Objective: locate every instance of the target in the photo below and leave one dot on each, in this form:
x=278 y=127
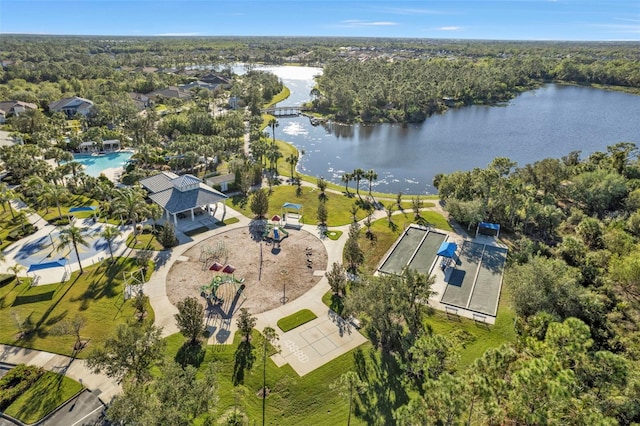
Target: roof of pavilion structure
x=180 y=193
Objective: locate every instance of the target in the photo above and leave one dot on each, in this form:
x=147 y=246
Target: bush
x=20 y=232
x=16 y=382
x=61 y=220
x=147 y=229
x=167 y=236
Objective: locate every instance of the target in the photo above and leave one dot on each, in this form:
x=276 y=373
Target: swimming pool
x=96 y=164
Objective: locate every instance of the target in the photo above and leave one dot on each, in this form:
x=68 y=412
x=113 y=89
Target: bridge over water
x=285 y=111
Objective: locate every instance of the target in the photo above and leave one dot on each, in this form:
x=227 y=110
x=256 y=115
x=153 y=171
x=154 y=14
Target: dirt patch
x=264 y=267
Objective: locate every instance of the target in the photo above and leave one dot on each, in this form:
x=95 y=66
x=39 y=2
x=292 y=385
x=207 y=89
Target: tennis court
x=475 y=282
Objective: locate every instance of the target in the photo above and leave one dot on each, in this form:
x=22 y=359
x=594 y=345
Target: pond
x=547 y=122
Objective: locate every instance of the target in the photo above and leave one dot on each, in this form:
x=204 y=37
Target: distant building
x=170 y=92
x=142 y=101
x=14 y=108
x=72 y=106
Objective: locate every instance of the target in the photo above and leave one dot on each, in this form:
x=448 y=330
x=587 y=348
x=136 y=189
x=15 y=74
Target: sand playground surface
x=265 y=268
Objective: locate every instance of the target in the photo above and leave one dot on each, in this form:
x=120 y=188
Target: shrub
x=16 y=382
x=167 y=236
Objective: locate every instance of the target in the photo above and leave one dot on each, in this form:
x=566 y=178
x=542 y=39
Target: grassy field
x=7 y=224
x=97 y=295
x=480 y=337
x=307 y=400
x=145 y=242
x=46 y=394
x=50 y=212
x=296 y=320
x=338 y=205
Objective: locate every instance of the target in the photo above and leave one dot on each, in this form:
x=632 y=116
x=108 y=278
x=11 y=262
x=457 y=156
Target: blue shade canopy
x=82 y=209
x=292 y=206
x=447 y=249
x=39 y=266
x=487 y=225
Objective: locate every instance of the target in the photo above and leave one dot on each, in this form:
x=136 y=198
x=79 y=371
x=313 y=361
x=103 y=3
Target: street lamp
x=284 y=298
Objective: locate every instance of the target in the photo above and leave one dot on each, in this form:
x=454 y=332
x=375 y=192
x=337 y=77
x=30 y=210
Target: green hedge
x=16 y=382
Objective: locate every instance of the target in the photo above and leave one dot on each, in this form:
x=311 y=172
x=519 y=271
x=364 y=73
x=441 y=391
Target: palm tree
x=346 y=178
x=16 y=269
x=32 y=188
x=110 y=233
x=6 y=195
x=273 y=123
x=292 y=160
x=72 y=236
x=54 y=193
x=370 y=175
x=129 y=203
x=358 y=174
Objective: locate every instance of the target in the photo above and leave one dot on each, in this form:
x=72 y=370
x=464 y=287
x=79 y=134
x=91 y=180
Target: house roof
x=216 y=180
x=165 y=190
x=9 y=106
x=159 y=182
x=171 y=92
x=214 y=79
x=175 y=201
x=72 y=102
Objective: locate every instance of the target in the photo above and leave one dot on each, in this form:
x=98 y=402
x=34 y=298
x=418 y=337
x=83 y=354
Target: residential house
x=72 y=106
x=216 y=81
x=170 y=92
x=142 y=101
x=14 y=108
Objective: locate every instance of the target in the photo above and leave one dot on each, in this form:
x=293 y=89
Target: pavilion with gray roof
x=180 y=194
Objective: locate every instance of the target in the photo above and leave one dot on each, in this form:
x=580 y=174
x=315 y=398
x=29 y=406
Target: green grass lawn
x=296 y=320
x=333 y=235
x=307 y=400
x=46 y=394
x=482 y=337
x=145 y=242
x=51 y=212
x=338 y=205
x=97 y=295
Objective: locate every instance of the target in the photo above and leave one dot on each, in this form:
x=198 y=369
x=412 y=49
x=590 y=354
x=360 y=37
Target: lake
x=551 y=121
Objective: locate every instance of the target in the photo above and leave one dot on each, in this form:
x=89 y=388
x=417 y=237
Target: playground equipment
x=210 y=290
x=217 y=254
x=274 y=233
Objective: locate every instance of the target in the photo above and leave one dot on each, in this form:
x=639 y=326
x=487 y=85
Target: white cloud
x=449 y=28
x=354 y=23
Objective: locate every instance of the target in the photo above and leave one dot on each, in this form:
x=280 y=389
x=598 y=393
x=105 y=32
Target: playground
x=241 y=269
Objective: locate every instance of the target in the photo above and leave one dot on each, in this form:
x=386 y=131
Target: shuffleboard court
x=461 y=280
x=403 y=251
x=486 y=292
x=426 y=254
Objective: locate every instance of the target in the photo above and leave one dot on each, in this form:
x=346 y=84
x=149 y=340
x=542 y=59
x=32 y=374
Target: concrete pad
x=324 y=346
x=312 y=335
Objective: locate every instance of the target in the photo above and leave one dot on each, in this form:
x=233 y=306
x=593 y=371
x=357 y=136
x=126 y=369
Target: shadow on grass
x=244 y=358
x=33 y=298
x=190 y=354
x=386 y=391
x=45 y=396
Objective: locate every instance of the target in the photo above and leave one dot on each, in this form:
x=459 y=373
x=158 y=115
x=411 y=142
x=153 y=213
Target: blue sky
x=456 y=19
